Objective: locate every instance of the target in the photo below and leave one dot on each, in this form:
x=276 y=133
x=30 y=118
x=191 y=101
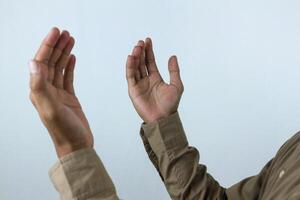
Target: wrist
x=63 y=150
x=157 y=118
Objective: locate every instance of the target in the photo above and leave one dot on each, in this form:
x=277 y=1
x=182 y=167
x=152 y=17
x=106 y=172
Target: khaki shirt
x=81 y=175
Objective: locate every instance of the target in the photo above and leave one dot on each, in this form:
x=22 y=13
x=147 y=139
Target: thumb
x=174 y=72
x=39 y=94
x=38 y=76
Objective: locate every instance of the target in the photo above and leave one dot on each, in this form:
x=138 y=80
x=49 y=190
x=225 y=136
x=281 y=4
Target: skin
x=52 y=93
x=152 y=97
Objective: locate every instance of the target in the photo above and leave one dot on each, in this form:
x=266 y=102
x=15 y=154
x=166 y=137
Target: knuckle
x=34 y=88
x=32 y=97
x=51 y=63
x=37 y=86
x=150 y=60
x=50 y=114
x=44 y=61
x=180 y=88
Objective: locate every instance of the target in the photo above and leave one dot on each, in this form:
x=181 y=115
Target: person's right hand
x=152 y=98
x=52 y=93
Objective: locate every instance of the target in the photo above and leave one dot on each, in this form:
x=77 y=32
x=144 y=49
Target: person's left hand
x=152 y=97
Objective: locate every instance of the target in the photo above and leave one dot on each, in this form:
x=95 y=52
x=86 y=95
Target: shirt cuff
x=82 y=175
x=165 y=135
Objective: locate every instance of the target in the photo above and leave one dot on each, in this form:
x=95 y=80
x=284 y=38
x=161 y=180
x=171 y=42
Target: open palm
x=52 y=93
x=151 y=96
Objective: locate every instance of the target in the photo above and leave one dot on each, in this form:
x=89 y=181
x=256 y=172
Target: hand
x=52 y=93
x=152 y=98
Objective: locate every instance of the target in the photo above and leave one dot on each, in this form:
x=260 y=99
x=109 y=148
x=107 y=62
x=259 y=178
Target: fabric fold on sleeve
x=81 y=175
x=177 y=162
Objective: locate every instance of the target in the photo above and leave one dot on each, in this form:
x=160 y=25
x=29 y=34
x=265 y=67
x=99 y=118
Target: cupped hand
x=151 y=96
x=52 y=93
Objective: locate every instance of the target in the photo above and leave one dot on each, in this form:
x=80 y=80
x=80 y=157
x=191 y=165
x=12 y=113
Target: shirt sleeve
x=82 y=176
x=178 y=165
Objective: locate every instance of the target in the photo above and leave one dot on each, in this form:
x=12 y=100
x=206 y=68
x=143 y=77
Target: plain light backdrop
x=239 y=62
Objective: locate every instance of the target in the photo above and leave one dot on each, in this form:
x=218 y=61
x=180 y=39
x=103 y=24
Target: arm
x=178 y=165
x=177 y=162
x=79 y=172
x=163 y=135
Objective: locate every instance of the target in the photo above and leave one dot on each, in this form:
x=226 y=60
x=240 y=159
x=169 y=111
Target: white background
x=240 y=65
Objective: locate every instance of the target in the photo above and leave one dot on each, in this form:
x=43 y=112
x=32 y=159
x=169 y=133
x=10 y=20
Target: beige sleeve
x=82 y=176
x=179 y=168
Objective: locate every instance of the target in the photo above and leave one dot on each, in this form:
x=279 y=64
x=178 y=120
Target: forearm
x=177 y=163
x=82 y=175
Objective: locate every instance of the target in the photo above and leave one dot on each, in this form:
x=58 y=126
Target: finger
x=136 y=52
x=46 y=48
x=62 y=64
x=63 y=41
x=38 y=76
x=174 y=73
x=142 y=66
x=39 y=93
x=150 y=59
x=69 y=75
x=130 y=71
x=141 y=43
x=138 y=75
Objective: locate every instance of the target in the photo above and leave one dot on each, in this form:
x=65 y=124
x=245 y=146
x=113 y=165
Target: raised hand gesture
x=52 y=93
x=151 y=96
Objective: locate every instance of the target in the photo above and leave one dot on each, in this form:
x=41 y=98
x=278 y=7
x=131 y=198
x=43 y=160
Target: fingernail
x=33 y=67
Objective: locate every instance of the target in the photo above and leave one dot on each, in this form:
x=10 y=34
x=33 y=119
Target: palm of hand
x=151 y=96
x=155 y=99
x=53 y=94
x=69 y=105
x=73 y=121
